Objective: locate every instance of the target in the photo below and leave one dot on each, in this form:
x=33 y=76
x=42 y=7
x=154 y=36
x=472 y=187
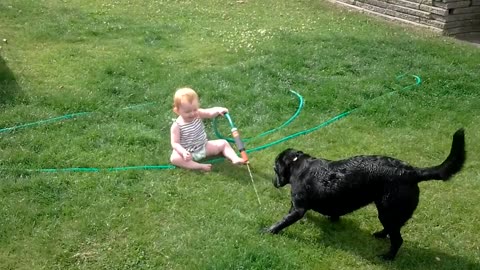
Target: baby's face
x=188 y=110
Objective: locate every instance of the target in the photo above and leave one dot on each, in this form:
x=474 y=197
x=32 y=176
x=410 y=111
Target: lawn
x=86 y=93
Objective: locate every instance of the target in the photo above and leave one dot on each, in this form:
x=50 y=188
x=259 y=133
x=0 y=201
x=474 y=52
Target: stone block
x=467 y=10
x=448 y=16
x=433 y=23
x=462 y=30
x=425 y=6
x=420 y=1
x=351 y=2
x=462 y=23
x=399 y=8
x=451 y=5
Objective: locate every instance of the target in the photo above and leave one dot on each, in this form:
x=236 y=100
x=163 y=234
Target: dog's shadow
x=9 y=89
x=346 y=235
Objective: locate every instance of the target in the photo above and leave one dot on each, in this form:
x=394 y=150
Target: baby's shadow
x=345 y=234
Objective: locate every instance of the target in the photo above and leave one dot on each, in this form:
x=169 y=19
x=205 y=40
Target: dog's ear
x=293 y=155
x=297 y=154
x=289 y=156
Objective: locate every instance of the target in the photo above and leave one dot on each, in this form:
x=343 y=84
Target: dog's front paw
x=380 y=234
x=264 y=230
x=387 y=257
x=334 y=218
x=268 y=230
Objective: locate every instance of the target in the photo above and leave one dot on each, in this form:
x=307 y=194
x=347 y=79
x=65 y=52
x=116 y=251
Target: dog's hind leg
x=394 y=210
x=293 y=216
x=384 y=219
x=391 y=229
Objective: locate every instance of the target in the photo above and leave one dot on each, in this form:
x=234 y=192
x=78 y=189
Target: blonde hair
x=182 y=95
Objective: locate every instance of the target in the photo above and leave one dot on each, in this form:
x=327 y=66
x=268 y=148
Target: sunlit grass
x=103 y=56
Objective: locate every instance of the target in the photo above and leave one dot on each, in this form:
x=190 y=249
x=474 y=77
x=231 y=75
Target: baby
x=188 y=138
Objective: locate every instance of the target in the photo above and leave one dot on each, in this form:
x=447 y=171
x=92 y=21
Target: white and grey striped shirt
x=192 y=135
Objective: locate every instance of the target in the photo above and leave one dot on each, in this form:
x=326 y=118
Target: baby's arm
x=175 y=141
x=211 y=112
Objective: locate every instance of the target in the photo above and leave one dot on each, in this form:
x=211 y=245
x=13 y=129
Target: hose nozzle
x=240 y=145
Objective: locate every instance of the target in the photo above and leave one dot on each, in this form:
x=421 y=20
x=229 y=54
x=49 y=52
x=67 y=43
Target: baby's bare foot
x=206 y=167
x=238 y=161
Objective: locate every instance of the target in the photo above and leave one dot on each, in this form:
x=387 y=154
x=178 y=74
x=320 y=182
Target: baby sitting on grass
x=188 y=137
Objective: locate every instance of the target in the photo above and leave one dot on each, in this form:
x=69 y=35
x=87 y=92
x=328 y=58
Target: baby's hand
x=187 y=156
x=222 y=110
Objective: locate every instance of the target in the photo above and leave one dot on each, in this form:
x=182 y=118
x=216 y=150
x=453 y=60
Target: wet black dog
x=336 y=188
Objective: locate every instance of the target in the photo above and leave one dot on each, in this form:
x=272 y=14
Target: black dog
x=336 y=188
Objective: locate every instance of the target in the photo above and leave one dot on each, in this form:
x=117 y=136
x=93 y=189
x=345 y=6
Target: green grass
x=101 y=56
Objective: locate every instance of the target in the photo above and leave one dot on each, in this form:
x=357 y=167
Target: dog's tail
x=451 y=165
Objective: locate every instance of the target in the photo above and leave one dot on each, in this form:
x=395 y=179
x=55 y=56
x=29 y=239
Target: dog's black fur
x=336 y=188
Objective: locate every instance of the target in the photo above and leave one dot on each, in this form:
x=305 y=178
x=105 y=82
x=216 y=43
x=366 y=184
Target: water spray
x=241 y=148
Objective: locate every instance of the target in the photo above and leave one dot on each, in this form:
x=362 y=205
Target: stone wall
x=451 y=17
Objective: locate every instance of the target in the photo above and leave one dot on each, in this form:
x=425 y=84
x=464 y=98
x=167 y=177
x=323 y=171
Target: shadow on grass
x=346 y=235
x=252 y=258
x=9 y=88
x=240 y=172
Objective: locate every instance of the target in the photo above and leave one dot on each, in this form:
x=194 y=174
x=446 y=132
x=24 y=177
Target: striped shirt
x=192 y=135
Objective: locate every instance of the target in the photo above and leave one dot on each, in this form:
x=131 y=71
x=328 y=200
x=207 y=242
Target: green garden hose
x=217 y=133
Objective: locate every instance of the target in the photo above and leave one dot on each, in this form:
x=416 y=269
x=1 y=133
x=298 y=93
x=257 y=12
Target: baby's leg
x=178 y=161
x=216 y=147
